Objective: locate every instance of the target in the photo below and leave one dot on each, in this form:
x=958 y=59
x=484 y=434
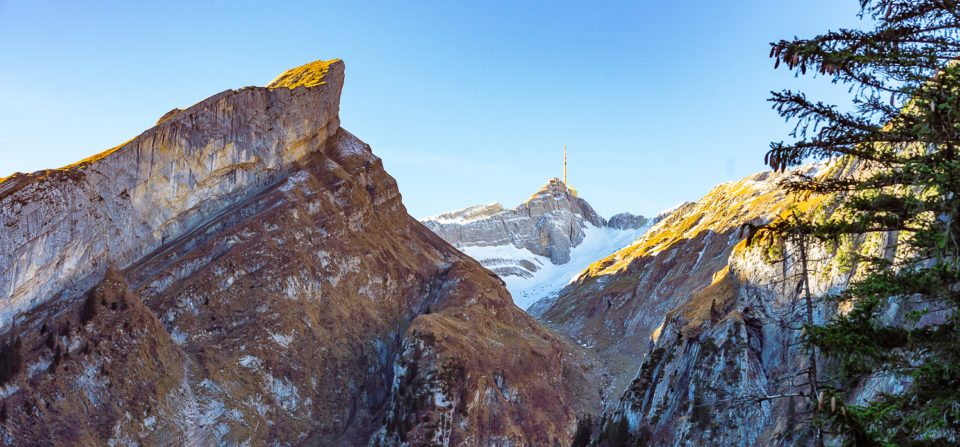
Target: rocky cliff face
x=699 y=332
x=541 y=244
x=616 y=305
x=548 y=224
x=245 y=273
x=63 y=228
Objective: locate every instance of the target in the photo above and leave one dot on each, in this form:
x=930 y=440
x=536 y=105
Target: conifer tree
x=902 y=137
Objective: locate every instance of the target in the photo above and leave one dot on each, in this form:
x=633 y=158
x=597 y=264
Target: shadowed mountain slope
x=245 y=273
x=699 y=333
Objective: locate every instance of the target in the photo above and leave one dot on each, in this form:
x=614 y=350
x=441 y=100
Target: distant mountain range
x=543 y=243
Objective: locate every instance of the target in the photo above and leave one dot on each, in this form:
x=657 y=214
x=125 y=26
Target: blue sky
x=466 y=103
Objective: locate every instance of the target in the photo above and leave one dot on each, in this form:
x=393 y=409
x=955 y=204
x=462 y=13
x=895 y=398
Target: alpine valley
x=245 y=273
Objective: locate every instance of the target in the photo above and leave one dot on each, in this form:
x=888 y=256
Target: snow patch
x=178 y=337
x=597 y=244
x=8 y=390
x=469 y=214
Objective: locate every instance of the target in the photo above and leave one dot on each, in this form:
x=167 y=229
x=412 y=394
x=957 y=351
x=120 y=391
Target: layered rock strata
x=257 y=281
x=701 y=333
x=540 y=245
x=548 y=224
x=63 y=228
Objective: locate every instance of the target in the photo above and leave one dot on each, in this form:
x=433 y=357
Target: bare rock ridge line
x=697 y=331
x=616 y=305
x=255 y=279
x=63 y=228
x=541 y=244
x=548 y=224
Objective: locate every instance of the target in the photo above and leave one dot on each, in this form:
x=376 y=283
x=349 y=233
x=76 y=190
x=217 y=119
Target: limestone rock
x=169 y=115
x=537 y=247
x=616 y=305
x=697 y=329
x=626 y=221
x=62 y=228
x=548 y=224
x=255 y=279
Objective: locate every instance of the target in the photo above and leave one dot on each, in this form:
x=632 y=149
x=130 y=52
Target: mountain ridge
x=539 y=245
x=127 y=201
x=278 y=293
x=700 y=333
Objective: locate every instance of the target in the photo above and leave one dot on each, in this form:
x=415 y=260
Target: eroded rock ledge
x=61 y=229
x=270 y=288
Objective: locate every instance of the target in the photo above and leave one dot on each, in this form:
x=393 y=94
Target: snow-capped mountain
x=539 y=246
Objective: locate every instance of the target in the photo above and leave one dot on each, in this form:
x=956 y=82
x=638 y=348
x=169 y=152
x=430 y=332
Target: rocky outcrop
x=548 y=224
x=481 y=372
x=627 y=221
x=699 y=332
x=281 y=295
x=537 y=247
x=63 y=228
x=616 y=305
x=467 y=215
x=729 y=358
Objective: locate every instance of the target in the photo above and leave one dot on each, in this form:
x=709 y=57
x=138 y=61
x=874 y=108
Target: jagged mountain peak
x=555 y=196
x=245 y=273
x=541 y=244
x=64 y=227
x=554 y=188
x=308 y=75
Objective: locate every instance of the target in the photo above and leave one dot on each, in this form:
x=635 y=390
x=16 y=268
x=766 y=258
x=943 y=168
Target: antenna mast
x=564 y=166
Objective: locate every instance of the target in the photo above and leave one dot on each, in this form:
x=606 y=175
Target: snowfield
x=549 y=278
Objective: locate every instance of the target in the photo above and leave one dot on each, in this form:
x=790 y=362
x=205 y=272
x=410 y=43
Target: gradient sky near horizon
x=466 y=103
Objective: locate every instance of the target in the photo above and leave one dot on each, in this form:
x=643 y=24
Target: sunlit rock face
x=540 y=245
x=699 y=331
x=255 y=280
x=63 y=228
x=548 y=224
x=615 y=305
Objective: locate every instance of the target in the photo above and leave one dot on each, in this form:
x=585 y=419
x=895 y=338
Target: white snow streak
x=597 y=244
